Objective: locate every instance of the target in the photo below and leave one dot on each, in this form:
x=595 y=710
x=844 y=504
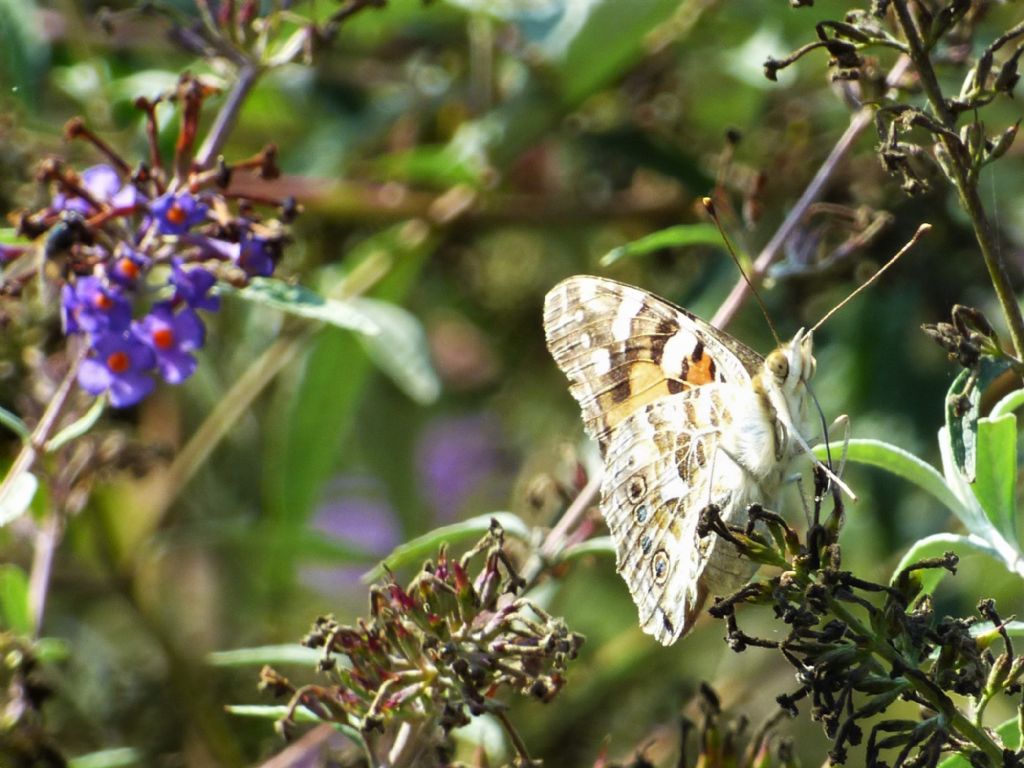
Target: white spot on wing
x=579 y=316
x=622 y=325
x=675 y=351
x=585 y=340
x=602 y=361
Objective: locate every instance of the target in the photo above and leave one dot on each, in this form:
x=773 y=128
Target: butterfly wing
x=660 y=474
x=652 y=381
x=623 y=348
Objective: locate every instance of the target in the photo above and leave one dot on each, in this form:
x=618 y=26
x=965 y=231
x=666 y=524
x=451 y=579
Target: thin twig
x=860 y=120
x=44 y=547
x=225 y=121
x=26 y=458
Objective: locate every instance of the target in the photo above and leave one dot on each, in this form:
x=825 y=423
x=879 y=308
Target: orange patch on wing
x=646 y=384
x=700 y=371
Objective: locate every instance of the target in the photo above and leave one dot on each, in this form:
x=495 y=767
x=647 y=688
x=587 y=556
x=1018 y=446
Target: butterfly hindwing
x=658 y=478
x=623 y=348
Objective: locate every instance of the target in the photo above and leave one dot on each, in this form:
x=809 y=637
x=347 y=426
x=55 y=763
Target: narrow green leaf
x=877 y=453
x=14 y=610
x=599 y=545
x=962 y=414
x=1009 y=734
x=300 y=715
x=107 y=758
x=78 y=428
x=14 y=423
x=936 y=546
x=291 y=653
x=986 y=633
x=18 y=496
x=995 y=476
x=400 y=349
x=301 y=301
x=271 y=712
x=672 y=237
x=425 y=546
x=1008 y=404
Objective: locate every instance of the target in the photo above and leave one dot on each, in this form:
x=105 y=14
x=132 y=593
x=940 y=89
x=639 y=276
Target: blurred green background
x=567 y=128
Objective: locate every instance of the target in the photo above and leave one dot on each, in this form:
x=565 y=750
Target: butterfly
x=685 y=416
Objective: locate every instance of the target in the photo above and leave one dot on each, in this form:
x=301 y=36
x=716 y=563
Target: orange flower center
x=103 y=302
x=128 y=268
x=163 y=338
x=118 y=362
x=176 y=214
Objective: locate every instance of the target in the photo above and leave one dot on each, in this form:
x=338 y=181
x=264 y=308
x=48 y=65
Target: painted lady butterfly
x=685 y=416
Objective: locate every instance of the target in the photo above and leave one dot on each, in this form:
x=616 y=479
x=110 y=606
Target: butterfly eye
x=778 y=364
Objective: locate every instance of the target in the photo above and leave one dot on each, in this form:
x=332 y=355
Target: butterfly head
x=792 y=364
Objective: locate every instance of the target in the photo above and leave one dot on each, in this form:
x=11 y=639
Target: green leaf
x=995 y=477
x=400 y=349
x=962 y=427
x=14 y=423
x=18 y=496
x=300 y=715
x=599 y=545
x=673 y=237
x=271 y=712
x=107 y=758
x=315 y=414
x=14 y=609
x=301 y=301
x=77 y=428
x=291 y=653
x=419 y=549
x=1008 y=404
x=877 y=453
x=1008 y=732
x=937 y=545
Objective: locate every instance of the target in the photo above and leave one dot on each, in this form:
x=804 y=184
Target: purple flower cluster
x=141 y=249
x=124 y=351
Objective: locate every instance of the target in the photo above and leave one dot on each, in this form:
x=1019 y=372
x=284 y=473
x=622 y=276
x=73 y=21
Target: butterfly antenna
x=709 y=206
x=921 y=230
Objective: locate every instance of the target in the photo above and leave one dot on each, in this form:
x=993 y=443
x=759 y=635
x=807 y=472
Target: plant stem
x=942 y=703
x=225 y=121
x=35 y=442
x=514 y=737
x=860 y=120
x=44 y=547
x=966 y=186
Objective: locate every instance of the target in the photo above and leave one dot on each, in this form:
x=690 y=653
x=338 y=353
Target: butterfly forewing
x=623 y=348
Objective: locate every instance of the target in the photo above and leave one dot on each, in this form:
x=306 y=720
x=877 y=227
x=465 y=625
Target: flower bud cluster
x=440 y=651
x=859 y=647
x=137 y=249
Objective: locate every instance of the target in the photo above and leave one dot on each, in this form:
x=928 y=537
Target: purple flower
x=126 y=267
x=172 y=337
x=91 y=306
x=256 y=256
x=193 y=287
x=100 y=181
x=117 y=365
x=176 y=214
